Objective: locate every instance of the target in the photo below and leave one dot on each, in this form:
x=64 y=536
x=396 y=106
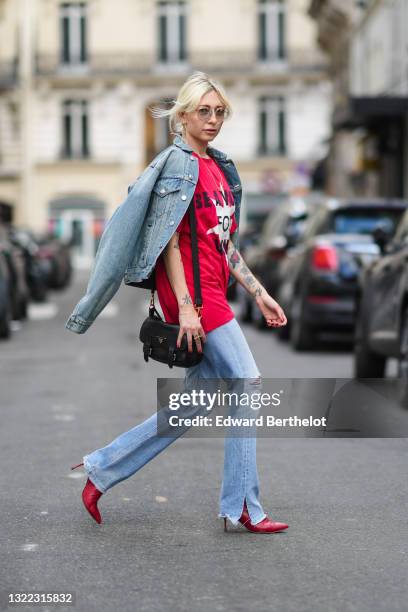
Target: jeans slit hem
x=94 y=478
x=234 y=521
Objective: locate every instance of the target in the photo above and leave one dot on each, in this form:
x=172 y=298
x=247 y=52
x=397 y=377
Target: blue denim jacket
x=143 y=224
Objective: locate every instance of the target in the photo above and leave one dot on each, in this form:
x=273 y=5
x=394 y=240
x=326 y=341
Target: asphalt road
x=161 y=546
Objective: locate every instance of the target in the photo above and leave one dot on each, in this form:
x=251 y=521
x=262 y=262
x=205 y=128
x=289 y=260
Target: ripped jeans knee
x=246 y=394
x=253 y=385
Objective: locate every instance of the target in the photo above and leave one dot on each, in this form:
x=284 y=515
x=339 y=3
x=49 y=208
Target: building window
x=271 y=35
x=171 y=32
x=272 y=124
x=73 y=33
x=75 y=129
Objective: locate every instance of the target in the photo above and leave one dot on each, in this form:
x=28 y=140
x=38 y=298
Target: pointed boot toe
x=90 y=496
x=267 y=525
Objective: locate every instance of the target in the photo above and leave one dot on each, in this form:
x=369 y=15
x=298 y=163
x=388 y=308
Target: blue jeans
x=227 y=356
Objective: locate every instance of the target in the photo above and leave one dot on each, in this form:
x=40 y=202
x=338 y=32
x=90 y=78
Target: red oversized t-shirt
x=214 y=208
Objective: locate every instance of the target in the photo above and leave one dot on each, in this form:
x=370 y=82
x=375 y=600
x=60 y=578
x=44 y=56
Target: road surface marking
x=160 y=499
x=64 y=417
x=28 y=547
x=76 y=475
x=38 y=312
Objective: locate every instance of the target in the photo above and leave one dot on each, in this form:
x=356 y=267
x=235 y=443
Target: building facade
x=77 y=80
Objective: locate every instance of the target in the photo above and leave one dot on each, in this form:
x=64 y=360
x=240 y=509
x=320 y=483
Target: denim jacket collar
x=212 y=152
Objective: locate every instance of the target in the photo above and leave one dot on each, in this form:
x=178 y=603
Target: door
x=77 y=229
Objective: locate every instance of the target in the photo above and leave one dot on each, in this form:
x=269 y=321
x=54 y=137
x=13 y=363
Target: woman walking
x=189 y=166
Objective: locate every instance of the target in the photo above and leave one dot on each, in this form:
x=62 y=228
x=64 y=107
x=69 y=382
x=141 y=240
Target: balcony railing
x=102 y=64
x=235 y=61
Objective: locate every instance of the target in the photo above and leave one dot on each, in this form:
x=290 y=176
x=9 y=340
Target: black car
x=5 y=301
x=382 y=309
x=16 y=273
x=280 y=232
x=321 y=274
x=36 y=268
x=56 y=255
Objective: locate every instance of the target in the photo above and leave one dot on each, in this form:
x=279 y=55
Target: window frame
x=272 y=19
x=73 y=20
x=265 y=114
x=75 y=129
x=171 y=32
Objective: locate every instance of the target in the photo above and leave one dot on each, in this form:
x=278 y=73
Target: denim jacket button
x=184 y=197
x=192 y=157
x=162 y=190
x=190 y=176
x=171 y=223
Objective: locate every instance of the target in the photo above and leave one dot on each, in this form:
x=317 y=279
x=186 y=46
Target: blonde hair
x=188 y=98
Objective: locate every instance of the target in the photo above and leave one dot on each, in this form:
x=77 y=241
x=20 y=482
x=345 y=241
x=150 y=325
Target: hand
x=273 y=313
x=191 y=326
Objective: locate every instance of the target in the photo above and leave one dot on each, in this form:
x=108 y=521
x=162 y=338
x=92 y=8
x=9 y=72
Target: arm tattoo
x=176 y=242
x=244 y=274
x=186 y=299
x=234 y=258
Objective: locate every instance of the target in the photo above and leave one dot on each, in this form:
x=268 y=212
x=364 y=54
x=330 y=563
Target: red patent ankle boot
x=265 y=526
x=90 y=496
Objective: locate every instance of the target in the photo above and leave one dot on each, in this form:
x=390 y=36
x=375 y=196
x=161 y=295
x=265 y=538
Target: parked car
x=13 y=257
x=280 y=232
x=37 y=268
x=5 y=302
x=56 y=255
x=381 y=328
x=320 y=275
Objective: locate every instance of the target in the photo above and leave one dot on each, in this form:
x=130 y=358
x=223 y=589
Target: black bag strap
x=198 y=300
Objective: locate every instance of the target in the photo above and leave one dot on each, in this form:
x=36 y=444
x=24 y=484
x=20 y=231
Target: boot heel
x=225 y=524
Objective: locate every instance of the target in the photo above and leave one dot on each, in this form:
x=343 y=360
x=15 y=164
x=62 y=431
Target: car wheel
x=23 y=309
x=38 y=290
x=367 y=364
x=301 y=334
x=5 y=322
x=403 y=363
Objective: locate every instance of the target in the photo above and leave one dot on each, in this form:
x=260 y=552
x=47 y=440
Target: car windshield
x=365 y=221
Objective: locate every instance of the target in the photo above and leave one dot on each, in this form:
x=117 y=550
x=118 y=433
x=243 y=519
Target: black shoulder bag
x=159 y=337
